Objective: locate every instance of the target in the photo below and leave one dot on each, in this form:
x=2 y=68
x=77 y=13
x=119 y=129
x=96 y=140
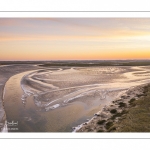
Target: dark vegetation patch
x=121 y=104
x=119 y=114
x=108 y=125
x=139 y=95
x=123 y=96
x=96 y=63
x=113 y=111
x=100 y=122
x=145 y=89
x=100 y=130
x=131 y=101
x=112 y=129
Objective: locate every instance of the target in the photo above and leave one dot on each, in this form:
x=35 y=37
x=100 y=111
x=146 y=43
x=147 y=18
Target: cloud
x=101 y=35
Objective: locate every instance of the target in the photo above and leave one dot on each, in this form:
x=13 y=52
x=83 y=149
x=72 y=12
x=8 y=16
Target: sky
x=24 y=39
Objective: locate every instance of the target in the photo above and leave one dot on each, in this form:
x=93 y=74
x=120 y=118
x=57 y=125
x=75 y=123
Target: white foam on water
x=52 y=107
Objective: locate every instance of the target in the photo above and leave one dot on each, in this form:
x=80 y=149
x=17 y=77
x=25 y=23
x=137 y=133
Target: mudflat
x=6 y=71
x=62 y=99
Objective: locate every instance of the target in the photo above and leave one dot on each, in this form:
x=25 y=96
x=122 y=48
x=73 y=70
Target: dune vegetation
x=136 y=118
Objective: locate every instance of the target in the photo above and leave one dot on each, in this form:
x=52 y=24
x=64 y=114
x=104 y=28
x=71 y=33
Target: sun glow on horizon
x=74 y=39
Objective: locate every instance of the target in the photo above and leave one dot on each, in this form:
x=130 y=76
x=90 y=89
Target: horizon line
x=77 y=60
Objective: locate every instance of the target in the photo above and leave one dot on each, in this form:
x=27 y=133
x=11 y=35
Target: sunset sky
x=74 y=38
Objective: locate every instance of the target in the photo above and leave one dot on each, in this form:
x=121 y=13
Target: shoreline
x=105 y=119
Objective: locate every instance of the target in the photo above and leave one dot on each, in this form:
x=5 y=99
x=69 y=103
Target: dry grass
x=137 y=119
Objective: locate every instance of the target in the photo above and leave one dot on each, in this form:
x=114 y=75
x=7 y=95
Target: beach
x=69 y=99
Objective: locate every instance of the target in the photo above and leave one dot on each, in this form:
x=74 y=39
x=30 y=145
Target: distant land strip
x=81 y=63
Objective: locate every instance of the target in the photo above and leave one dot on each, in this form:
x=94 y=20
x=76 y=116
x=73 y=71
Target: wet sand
x=33 y=118
x=57 y=99
x=6 y=71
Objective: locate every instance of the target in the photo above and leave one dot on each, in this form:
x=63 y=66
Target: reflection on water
x=56 y=100
x=31 y=118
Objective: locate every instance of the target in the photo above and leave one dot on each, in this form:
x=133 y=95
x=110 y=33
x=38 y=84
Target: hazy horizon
x=50 y=39
x=85 y=60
